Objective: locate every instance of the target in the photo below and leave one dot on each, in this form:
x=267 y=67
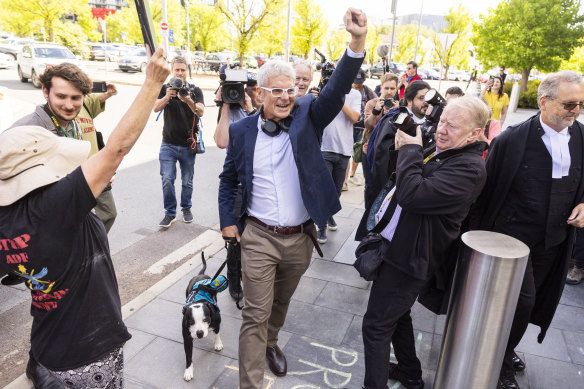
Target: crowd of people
x=288 y=152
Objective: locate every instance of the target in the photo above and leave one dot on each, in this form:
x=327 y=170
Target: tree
x=459 y=22
x=309 y=27
x=25 y=17
x=270 y=40
x=208 y=27
x=246 y=17
x=576 y=61
x=374 y=39
x=523 y=34
x=407 y=36
x=336 y=43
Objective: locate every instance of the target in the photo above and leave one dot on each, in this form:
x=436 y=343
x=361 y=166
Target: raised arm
x=100 y=168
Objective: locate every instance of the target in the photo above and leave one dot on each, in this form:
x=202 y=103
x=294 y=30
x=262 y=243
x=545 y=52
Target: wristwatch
x=253 y=112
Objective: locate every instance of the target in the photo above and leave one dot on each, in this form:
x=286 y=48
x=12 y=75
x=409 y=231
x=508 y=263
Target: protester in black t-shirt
x=51 y=239
x=181 y=113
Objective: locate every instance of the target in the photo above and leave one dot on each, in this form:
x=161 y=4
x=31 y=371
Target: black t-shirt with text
x=53 y=240
x=178 y=117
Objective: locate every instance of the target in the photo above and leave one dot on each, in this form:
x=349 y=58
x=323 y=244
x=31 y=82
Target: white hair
x=478 y=111
x=550 y=86
x=303 y=62
x=274 y=68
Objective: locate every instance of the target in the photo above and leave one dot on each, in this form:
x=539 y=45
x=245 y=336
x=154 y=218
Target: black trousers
x=539 y=265
x=388 y=321
x=337 y=166
x=578 y=252
x=234 y=252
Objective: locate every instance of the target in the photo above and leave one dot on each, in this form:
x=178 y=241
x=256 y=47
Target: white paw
x=218 y=346
x=189 y=373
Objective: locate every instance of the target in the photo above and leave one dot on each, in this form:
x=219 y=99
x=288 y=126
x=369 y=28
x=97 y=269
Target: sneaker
x=187 y=216
x=355 y=181
x=345 y=187
x=331 y=224
x=322 y=236
x=167 y=221
x=575 y=276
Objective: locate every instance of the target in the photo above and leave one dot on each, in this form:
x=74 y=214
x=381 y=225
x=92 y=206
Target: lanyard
x=76 y=133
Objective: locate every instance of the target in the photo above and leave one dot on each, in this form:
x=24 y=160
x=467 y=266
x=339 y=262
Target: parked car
x=376 y=70
x=432 y=74
x=457 y=75
x=215 y=61
x=366 y=67
x=6 y=61
x=250 y=62
x=423 y=73
x=35 y=57
x=135 y=60
x=513 y=77
x=14 y=46
x=98 y=52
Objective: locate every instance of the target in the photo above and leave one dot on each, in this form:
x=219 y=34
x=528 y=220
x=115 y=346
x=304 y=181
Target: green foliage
x=270 y=37
x=335 y=44
x=407 y=43
x=576 y=61
x=374 y=39
x=459 y=21
x=247 y=17
x=124 y=21
x=207 y=27
x=309 y=27
x=524 y=34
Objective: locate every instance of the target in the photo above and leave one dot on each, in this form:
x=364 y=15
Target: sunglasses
x=278 y=92
x=570 y=106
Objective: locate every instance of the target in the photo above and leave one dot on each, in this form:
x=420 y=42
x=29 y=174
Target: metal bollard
x=486 y=286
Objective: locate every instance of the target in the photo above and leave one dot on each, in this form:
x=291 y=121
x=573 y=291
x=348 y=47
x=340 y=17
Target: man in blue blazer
x=286 y=189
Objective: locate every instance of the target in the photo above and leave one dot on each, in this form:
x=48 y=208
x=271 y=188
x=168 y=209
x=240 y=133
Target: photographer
x=228 y=114
x=426 y=207
x=183 y=106
x=376 y=108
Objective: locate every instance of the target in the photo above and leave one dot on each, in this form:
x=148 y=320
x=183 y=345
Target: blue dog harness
x=206 y=290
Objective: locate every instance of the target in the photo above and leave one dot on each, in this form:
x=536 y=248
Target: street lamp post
x=418 y=35
x=288 y=33
x=393 y=10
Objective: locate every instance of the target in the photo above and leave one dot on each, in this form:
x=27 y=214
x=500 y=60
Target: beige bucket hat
x=32 y=157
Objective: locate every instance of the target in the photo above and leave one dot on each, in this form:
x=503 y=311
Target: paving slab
x=330 y=271
x=547 y=373
x=139 y=341
x=553 y=346
x=320 y=323
x=568 y=317
x=162 y=364
x=309 y=289
x=575 y=345
x=573 y=295
x=347 y=298
x=346 y=253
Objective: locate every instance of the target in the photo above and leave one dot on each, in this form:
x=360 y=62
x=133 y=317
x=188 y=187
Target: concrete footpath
x=322 y=335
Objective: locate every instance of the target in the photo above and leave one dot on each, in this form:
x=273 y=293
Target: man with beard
x=534 y=193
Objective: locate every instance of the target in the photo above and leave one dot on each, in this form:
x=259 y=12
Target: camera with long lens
x=388 y=103
x=404 y=122
x=233 y=85
x=326 y=69
x=177 y=84
x=434 y=99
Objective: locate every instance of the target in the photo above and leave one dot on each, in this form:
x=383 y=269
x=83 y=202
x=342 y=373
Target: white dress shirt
x=557 y=145
x=275 y=193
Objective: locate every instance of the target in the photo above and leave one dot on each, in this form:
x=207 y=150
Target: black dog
x=201 y=313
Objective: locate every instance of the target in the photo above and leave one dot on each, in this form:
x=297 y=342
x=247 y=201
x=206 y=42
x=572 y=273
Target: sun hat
x=32 y=157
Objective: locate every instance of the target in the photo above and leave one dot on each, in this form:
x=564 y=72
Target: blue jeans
x=169 y=155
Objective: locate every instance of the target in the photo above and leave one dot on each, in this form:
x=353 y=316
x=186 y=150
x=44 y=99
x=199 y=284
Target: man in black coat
x=534 y=193
x=432 y=197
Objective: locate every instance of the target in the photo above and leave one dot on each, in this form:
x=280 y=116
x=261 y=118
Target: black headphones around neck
x=272 y=128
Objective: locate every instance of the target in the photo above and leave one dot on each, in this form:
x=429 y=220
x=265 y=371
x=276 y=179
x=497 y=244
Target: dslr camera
x=233 y=85
x=177 y=84
x=326 y=69
x=388 y=103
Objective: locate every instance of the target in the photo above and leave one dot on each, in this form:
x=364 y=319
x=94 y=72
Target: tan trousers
x=272 y=266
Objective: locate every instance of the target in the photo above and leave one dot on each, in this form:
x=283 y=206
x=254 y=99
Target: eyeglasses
x=278 y=92
x=570 y=106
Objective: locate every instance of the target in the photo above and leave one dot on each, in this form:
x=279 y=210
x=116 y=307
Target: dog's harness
x=206 y=290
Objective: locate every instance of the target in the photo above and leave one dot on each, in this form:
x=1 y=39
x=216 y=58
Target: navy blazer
x=311 y=116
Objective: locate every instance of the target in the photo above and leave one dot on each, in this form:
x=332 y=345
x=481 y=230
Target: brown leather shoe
x=276 y=361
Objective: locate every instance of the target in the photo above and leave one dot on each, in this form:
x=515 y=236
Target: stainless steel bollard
x=484 y=295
